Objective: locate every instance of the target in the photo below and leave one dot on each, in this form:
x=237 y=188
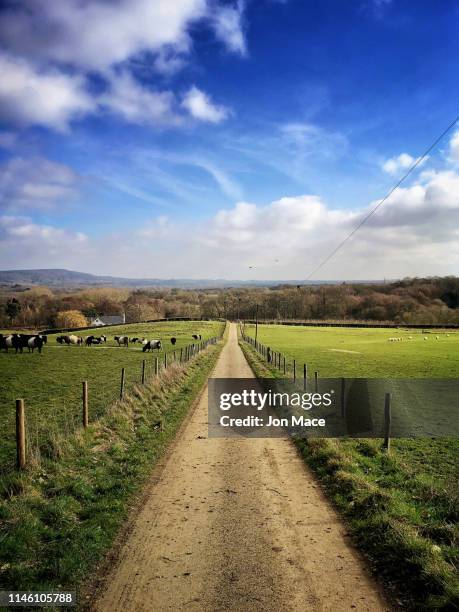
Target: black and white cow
x=90 y=340
x=21 y=341
x=9 y=341
x=71 y=339
x=173 y=341
x=36 y=342
x=152 y=345
x=122 y=340
x=196 y=336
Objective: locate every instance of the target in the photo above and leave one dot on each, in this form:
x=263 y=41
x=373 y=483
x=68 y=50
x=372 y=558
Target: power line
x=396 y=186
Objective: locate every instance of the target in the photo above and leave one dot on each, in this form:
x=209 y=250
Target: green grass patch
x=58 y=518
x=402 y=508
x=365 y=353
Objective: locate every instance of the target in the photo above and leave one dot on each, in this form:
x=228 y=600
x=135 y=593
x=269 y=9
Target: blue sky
x=212 y=138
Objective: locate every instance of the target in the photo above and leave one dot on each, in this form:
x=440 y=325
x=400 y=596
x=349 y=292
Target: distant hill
x=68 y=278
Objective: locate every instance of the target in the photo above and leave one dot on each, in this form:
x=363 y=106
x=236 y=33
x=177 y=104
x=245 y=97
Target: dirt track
x=236 y=524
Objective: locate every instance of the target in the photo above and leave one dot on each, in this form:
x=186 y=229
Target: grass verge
x=60 y=516
x=401 y=512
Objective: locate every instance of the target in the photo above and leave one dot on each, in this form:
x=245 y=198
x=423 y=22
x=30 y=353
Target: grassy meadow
x=403 y=507
x=365 y=353
x=51 y=382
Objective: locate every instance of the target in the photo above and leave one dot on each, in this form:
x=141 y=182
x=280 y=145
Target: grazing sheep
x=122 y=340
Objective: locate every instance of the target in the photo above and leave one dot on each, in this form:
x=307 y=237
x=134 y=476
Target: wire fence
x=38 y=427
x=300 y=375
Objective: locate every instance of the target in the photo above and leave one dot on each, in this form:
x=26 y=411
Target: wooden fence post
x=20 y=435
x=343 y=397
x=387 y=421
x=165 y=361
x=316 y=381
x=294 y=370
x=181 y=355
x=123 y=372
x=85 y=404
x=284 y=366
x=305 y=376
x=156 y=366
x=143 y=372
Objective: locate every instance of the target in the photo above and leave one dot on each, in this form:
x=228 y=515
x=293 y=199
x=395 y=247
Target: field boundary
x=61 y=330
x=363 y=325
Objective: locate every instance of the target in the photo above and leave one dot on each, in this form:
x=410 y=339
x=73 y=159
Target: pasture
x=51 y=382
x=365 y=353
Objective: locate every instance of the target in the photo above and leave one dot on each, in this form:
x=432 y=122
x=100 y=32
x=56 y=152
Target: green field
x=51 y=383
x=402 y=507
x=346 y=352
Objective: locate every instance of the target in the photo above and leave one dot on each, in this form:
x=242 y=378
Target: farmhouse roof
x=109 y=319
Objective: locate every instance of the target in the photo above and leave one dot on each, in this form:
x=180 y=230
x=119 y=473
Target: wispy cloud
x=227 y=21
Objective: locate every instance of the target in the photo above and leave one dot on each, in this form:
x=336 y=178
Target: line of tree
x=420 y=301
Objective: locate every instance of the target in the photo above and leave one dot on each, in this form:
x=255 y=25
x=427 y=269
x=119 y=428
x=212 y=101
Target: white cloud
x=36 y=183
x=454 y=147
x=200 y=106
x=98 y=34
x=396 y=164
x=227 y=22
x=49 y=98
x=51 y=47
x=409 y=235
x=137 y=104
x=23 y=243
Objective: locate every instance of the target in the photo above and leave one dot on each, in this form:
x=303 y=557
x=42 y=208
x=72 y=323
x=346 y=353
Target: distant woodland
x=415 y=300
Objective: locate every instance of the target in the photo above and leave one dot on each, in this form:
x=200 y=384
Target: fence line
x=189 y=353
x=274 y=358
x=353 y=324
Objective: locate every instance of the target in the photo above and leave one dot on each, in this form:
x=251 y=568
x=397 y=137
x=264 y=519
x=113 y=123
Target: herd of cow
x=21 y=341
x=35 y=341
